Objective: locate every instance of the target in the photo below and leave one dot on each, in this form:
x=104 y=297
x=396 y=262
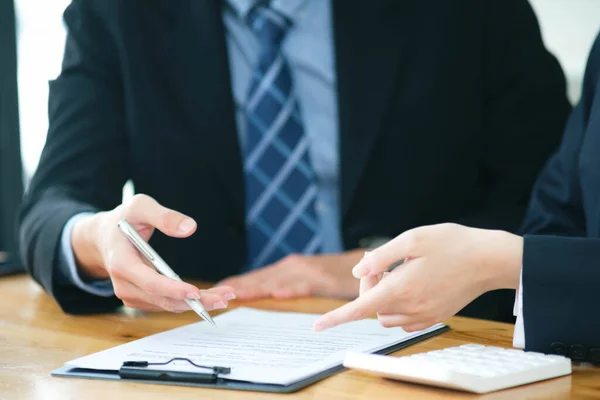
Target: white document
x=259 y=346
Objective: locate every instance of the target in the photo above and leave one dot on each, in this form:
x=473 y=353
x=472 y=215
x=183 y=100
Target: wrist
x=506 y=260
x=85 y=249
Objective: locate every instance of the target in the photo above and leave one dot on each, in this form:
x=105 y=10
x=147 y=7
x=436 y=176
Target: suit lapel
x=200 y=58
x=369 y=39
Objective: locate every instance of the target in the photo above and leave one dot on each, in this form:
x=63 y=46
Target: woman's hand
x=446 y=267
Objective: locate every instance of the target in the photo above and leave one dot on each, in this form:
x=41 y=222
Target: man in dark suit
x=288 y=134
x=555 y=266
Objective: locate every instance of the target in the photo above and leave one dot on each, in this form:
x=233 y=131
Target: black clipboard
x=184 y=379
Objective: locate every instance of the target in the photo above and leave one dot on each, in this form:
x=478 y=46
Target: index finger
x=128 y=266
x=368 y=303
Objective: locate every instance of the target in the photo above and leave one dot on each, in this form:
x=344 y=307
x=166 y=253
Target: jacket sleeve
x=83 y=165
x=561 y=266
x=525 y=108
x=560 y=296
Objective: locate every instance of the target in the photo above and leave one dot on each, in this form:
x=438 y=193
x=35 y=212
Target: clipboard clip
x=139 y=370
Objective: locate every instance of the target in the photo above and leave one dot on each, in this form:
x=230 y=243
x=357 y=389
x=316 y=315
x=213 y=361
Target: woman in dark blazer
x=555 y=265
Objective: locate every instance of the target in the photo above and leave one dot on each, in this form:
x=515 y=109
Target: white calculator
x=470 y=367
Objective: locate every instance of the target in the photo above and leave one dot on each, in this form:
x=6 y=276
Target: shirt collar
x=292 y=9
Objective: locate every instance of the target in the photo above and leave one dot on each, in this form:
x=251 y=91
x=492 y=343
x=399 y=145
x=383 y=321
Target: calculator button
x=467 y=370
x=514 y=352
x=486 y=373
x=553 y=358
x=453 y=350
x=436 y=352
x=491 y=349
x=472 y=346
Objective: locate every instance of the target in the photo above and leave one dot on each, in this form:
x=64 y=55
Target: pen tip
x=208 y=319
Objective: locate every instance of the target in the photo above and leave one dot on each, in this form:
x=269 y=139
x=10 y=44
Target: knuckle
x=119 y=210
x=309 y=270
x=293 y=258
x=182 y=291
x=150 y=287
x=167 y=304
x=449 y=229
x=137 y=201
x=122 y=294
x=416 y=241
x=451 y=226
x=115 y=270
x=139 y=198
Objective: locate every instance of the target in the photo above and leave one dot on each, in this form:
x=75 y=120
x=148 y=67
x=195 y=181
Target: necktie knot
x=270 y=25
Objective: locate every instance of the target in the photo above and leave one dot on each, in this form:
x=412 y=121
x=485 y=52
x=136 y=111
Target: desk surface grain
x=36 y=337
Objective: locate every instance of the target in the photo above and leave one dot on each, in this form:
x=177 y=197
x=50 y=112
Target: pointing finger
x=368 y=303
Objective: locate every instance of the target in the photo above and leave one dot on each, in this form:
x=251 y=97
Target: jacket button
x=558 y=348
x=594 y=355
x=577 y=352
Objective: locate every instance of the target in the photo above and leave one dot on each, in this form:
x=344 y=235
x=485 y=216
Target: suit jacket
x=561 y=265
x=446 y=113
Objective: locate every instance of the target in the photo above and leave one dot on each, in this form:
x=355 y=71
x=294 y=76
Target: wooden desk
x=36 y=337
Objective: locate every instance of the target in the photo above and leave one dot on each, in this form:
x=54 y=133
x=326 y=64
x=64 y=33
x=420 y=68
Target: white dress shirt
x=519 y=334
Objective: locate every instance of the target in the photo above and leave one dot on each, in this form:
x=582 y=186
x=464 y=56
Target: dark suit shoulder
x=109 y=8
x=119 y=12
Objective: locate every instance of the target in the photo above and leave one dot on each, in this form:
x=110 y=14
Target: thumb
x=144 y=209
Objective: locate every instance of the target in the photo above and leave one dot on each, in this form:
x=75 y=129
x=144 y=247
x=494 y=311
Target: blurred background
x=568 y=27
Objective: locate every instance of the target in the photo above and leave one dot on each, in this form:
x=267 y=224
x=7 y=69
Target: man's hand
x=447 y=267
x=301 y=276
x=102 y=251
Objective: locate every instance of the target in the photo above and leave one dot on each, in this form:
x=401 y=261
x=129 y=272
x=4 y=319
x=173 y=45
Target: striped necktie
x=280 y=182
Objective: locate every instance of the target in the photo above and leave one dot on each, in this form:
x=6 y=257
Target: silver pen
x=160 y=265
